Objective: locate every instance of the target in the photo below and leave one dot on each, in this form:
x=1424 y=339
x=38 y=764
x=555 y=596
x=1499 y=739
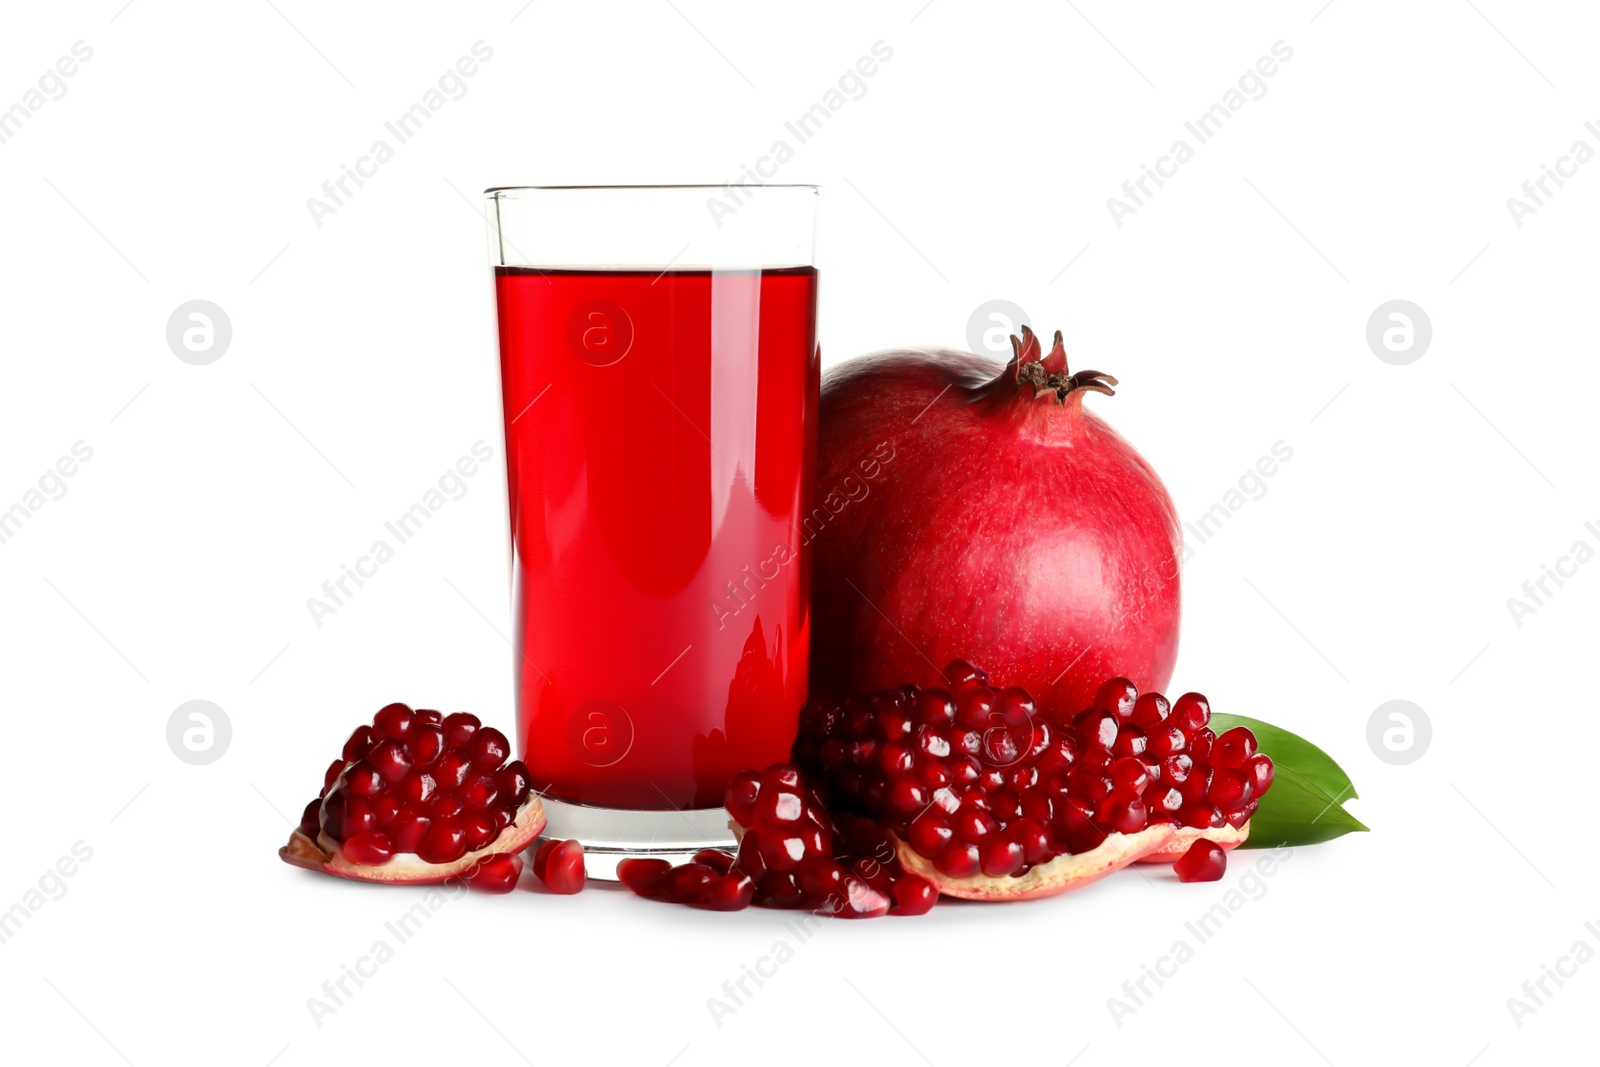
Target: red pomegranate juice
x=660 y=444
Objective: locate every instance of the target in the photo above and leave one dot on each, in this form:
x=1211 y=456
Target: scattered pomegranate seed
x=1204 y=862
x=731 y=891
x=643 y=876
x=559 y=865
x=496 y=874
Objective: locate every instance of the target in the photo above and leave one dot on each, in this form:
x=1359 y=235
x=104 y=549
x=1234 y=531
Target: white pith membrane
x=1224 y=836
x=407 y=867
x=1044 y=879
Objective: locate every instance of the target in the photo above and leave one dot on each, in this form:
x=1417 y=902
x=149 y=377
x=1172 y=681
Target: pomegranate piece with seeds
x=987 y=797
x=417 y=798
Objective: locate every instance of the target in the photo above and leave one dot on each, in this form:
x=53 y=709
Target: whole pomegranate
x=967 y=509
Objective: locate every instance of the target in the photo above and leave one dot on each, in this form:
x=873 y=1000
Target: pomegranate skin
x=971 y=510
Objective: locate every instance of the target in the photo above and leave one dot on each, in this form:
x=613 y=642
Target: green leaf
x=1298 y=811
x=1294 y=752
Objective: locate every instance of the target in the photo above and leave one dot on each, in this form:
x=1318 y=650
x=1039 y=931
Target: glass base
x=611 y=835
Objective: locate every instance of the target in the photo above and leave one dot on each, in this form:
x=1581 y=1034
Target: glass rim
x=496 y=190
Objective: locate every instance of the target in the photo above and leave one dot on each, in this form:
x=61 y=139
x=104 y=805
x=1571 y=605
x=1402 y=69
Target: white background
x=1233 y=307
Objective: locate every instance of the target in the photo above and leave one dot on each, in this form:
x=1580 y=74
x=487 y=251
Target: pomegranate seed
x=743 y=789
x=894 y=724
x=1163 y=799
x=731 y=891
x=426 y=743
x=370 y=848
x=445 y=842
x=416 y=787
x=914 y=895
x=778 y=805
x=1089 y=783
x=489 y=749
x=1077 y=832
x=782 y=889
x=1098 y=729
x=410 y=826
x=929 y=833
x=332 y=816
x=494 y=874
x=1260 y=770
x=1197 y=783
x=445 y=806
x=359 y=816
x=1165 y=740
x=896 y=759
x=959 y=860
x=1117 y=698
x=971 y=825
x=479 y=792
x=821 y=878
x=1204 y=862
x=858 y=900
x=687 y=884
x=1234 y=748
x=559 y=865
x=1175 y=769
x=1035 y=841
x=1231 y=789
x=1006 y=807
x=1000 y=857
x=1151 y=709
x=643 y=876
x=392 y=721
x=718 y=860
x=1129 y=774
x=975 y=708
x=513 y=783
x=479 y=828
x=362 y=779
x=1190 y=713
x=335 y=769
x=783 y=850
x=391 y=760
x=1131 y=741
x=935 y=708
x=964 y=676
x=749 y=858
x=310 y=819
x=906 y=798
x=1201 y=816
x=1123 y=812
x=451 y=771
x=1200 y=744
x=432 y=718
x=459 y=728
x=360 y=743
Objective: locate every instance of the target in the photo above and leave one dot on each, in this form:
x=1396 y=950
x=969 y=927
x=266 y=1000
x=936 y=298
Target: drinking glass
x=659 y=375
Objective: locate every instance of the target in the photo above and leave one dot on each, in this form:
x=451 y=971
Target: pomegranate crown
x=1049 y=372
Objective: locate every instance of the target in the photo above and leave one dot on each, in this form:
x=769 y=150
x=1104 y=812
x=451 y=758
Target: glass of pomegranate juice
x=659 y=374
